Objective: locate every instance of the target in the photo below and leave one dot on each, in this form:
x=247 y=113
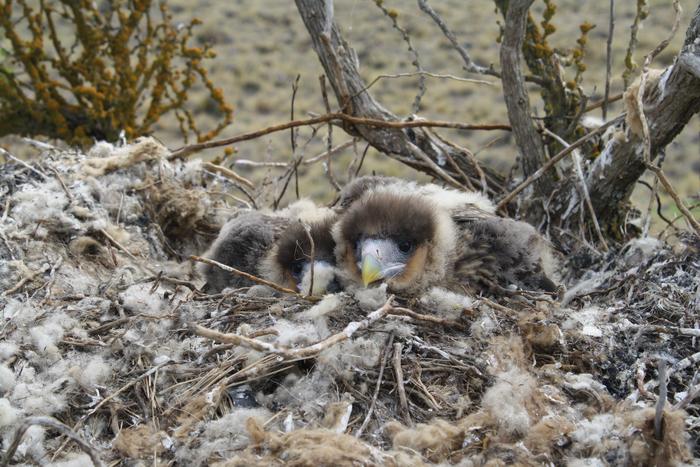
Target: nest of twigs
x=110 y=353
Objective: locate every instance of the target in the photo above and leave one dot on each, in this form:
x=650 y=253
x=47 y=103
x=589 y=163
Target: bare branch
x=608 y=59
x=304 y=352
x=584 y=188
x=252 y=278
x=341 y=66
x=398 y=373
x=517 y=100
x=56 y=425
x=228 y=173
x=551 y=162
x=469 y=64
x=372 y=122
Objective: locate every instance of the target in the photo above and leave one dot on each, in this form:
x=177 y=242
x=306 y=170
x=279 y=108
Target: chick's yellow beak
x=371 y=270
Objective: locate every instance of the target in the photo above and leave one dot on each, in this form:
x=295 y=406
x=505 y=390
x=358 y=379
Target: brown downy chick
x=500 y=252
x=415 y=236
x=242 y=243
x=403 y=240
x=291 y=259
x=265 y=245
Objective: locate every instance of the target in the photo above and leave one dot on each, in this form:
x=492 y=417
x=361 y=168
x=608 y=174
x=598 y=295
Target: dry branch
x=398 y=373
x=305 y=352
x=226 y=172
x=372 y=122
x=339 y=62
x=49 y=422
x=551 y=162
x=252 y=278
x=517 y=101
x=669 y=103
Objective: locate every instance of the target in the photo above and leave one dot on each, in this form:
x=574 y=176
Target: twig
x=21 y=283
x=362 y=159
x=679 y=203
x=469 y=64
x=228 y=173
x=293 y=133
x=398 y=311
x=470 y=156
x=328 y=153
x=252 y=278
x=426 y=73
x=63 y=185
x=584 y=187
x=329 y=139
x=398 y=372
x=692 y=393
x=312 y=258
x=653 y=196
x=646 y=139
x=21 y=162
x=235 y=339
x=127 y=252
x=415 y=108
x=679 y=216
x=304 y=352
x=551 y=162
x=632 y=44
x=419 y=154
x=377 y=387
x=192 y=148
x=600 y=103
x=287 y=178
x=680 y=365
x=659 y=415
x=608 y=59
x=56 y=425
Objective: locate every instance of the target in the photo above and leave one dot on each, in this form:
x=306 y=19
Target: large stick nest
x=104 y=330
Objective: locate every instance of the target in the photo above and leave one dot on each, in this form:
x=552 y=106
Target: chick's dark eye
x=297 y=268
x=405 y=246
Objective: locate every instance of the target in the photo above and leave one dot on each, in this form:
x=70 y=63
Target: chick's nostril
x=333 y=286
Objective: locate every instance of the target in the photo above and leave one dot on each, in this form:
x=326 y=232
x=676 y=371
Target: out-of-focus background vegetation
x=262 y=45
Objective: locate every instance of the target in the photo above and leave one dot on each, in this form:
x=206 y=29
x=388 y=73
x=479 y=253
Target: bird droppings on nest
x=100 y=310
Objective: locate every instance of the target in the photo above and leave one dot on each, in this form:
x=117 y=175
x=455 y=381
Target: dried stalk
x=192 y=148
x=646 y=139
x=398 y=373
x=551 y=162
x=377 y=387
x=253 y=278
x=302 y=353
x=228 y=173
x=56 y=425
x=608 y=59
x=584 y=187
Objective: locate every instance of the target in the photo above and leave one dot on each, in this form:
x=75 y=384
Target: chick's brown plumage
x=414 y=236
x=276 y=247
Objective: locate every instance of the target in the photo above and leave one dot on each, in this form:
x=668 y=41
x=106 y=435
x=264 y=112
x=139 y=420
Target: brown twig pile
x=109 y=351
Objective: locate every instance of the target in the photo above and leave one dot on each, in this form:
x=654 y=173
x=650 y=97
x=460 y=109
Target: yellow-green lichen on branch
x=123 y=68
